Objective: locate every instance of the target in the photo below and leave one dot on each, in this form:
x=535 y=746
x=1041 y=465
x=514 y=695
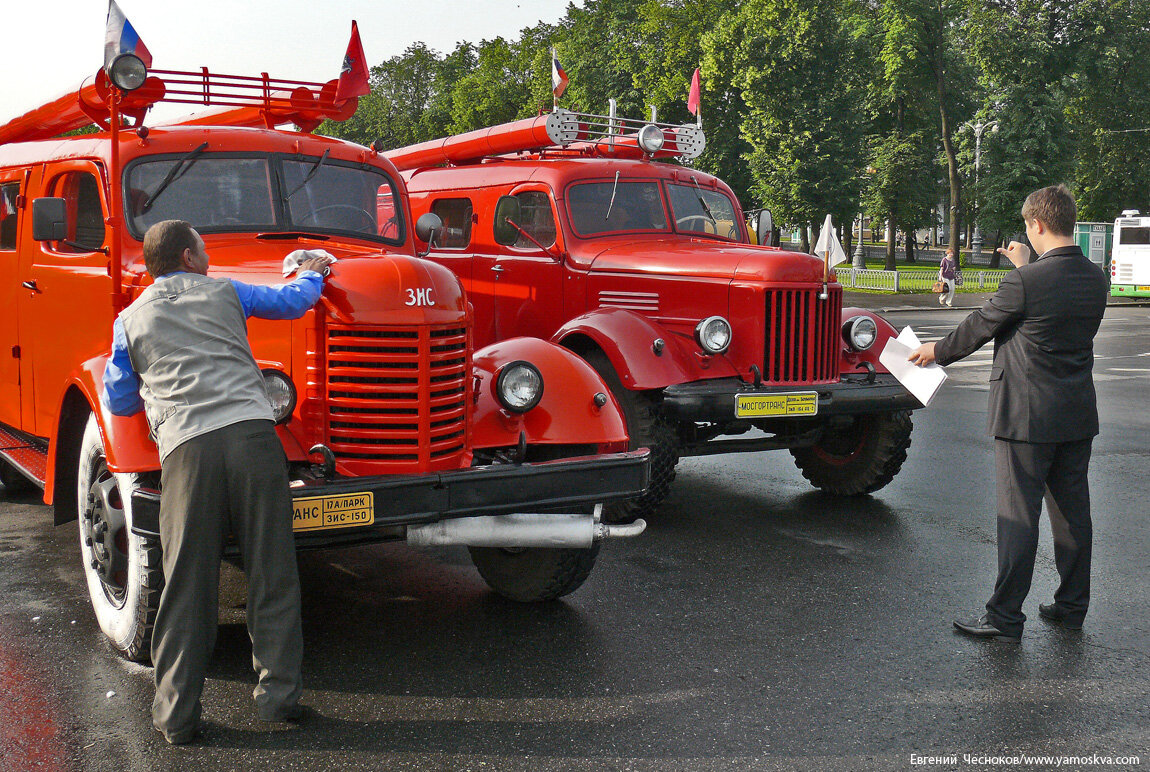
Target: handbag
x=938 y=287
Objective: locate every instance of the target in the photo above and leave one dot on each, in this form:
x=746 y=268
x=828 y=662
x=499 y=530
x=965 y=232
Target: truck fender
x=852 y=361
x=628 y=340
x=567 y=413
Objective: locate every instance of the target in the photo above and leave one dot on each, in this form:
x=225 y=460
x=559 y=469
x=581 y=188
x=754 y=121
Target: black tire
x=533 y=574
x=123 y=570
x=860 y=458
x=648 y=428
x=13 y=481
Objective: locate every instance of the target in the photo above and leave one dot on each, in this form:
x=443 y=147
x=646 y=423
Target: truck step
x=27 y=455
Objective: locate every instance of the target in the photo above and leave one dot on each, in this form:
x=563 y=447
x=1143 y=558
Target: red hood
x=678 y=256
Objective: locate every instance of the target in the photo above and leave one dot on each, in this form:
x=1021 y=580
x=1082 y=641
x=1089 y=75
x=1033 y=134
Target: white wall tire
x=123 y=570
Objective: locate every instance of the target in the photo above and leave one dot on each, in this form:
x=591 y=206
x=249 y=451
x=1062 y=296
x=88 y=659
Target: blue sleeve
x=283 y=301
x=121 y=384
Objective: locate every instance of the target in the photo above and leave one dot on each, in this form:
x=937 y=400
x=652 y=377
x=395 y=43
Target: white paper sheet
x=922 y=382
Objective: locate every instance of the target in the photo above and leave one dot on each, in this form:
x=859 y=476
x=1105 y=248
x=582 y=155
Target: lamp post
x=978 y=127
x=858 y=260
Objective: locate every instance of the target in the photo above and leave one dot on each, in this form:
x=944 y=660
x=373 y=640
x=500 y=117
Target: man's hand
x=1017 y=253
x=923 y=355
x=317 y=264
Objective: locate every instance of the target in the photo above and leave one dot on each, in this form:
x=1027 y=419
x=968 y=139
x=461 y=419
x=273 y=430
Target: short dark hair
x=164 y=245
x=1054 y=207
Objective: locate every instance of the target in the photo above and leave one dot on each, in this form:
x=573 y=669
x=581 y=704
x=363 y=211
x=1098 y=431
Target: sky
x=51 y=46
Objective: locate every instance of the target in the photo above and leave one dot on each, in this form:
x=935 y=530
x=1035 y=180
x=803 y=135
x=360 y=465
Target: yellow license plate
x=321 y=512
x=1142 y=289
x=761 y=405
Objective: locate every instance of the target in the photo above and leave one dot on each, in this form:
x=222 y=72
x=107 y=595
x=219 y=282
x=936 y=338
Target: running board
x=26 y=455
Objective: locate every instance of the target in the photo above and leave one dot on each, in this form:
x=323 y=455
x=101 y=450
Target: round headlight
x=281 y=393
x=127 y=72
x=713 y=334
x=651 y=139
x=860 y=332
x=519 y=386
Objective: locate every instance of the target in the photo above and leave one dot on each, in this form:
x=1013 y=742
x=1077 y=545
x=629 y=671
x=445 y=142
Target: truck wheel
x=859 y=458
x=535 y=573
x=648 y=428
x=124 y=572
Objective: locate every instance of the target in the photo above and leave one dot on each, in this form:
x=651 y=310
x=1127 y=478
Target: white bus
x=1130 y=257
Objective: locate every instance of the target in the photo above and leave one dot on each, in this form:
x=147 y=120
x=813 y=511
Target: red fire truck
x=395 y=427
x=574 y=228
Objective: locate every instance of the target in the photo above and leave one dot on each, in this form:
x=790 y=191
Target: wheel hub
x=103 y=528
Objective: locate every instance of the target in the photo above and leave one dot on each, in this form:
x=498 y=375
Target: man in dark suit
x=1043 y=413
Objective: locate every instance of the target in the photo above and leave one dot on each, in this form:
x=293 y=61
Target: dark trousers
x=232 y=478
x=1025 y=471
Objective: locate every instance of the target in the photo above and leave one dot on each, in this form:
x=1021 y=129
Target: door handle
x=31 y=285
x=497 y=268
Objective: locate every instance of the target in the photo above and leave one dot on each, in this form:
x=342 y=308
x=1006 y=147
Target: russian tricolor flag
x=122 y=38
x=558 y=76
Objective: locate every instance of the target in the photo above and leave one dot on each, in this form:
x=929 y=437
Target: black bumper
x=714 y=400
x=403 y=500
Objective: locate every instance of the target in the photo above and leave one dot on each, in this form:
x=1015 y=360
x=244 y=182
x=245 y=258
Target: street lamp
x=859 y=258
x=978 y=127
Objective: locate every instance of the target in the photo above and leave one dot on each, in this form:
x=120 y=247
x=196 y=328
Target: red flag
x=693 y=97
x=353 y=75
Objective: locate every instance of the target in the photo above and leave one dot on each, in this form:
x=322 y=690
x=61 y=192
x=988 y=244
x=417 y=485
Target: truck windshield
x=700 y=210
x=228 y=193
x=637 y=206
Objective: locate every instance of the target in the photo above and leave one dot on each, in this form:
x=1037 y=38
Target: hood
x=706 y=258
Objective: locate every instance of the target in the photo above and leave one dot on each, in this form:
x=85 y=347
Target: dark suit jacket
x=1043 y=320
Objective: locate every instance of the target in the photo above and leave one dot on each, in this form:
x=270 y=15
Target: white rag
x=293 y=260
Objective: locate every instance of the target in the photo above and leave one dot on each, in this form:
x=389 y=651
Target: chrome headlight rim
x=284 y=413
x=651 y=139
x=701 y=338
x=508 y=371
x=857 y=329
x=127 y=72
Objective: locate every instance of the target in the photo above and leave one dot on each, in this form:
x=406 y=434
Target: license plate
x=760 y=405
x=1142 y=289
x=322 y=512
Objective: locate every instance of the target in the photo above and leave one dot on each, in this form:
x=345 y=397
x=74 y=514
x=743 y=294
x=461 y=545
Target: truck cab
x=594 y=239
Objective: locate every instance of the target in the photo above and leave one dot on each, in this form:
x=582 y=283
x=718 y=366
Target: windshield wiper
x=611 y=203
x=178 y=170
x=310 y=173
x=702 y=203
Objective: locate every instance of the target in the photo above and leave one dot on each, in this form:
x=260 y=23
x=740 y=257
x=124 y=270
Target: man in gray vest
x=180 y=352
x=1043 y=411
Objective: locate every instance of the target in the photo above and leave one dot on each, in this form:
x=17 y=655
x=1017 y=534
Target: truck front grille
x=802 y=336
x=397 y=396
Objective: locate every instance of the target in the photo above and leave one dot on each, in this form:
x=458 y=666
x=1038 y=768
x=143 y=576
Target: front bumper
x=714 y=400
x=403 y=500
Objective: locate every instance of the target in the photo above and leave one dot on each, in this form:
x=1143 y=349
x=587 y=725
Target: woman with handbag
x=947 y=269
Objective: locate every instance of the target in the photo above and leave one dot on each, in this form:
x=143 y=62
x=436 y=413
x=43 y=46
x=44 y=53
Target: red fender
x=628 y=339
x=128 y=444
x=566 y=414
x=852 y=361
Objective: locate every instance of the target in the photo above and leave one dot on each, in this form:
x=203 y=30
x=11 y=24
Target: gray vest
x=187 y=339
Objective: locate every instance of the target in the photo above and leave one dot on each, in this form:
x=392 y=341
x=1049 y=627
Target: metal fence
x=976 y=278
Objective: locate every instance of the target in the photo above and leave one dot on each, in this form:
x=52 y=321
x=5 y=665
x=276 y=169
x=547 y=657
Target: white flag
x=829 y=246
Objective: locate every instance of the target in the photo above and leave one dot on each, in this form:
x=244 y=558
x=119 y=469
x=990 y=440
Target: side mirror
x=764 y=226
x=49 y=219
x=507 y=209
x=427 y=228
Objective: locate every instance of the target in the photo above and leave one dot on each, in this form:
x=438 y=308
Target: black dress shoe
x=1055 y=613
x=293 y=715
x=980 y=627
x=180 y=736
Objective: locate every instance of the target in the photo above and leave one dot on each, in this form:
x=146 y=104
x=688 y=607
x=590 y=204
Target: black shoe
x=1052 y=612
x=180 y=737
x=981 y=627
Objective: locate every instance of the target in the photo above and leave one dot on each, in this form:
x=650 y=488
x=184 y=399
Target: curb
x=935 y=307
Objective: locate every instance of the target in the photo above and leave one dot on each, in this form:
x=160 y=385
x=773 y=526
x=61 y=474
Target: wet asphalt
x=758 y=624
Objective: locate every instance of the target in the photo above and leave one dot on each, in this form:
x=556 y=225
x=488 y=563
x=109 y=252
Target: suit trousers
x=1025 y=471
x=234 y=478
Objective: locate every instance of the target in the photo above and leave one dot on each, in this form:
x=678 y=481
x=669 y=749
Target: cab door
x=527 y=274
x=66 y=291
x=11 y=216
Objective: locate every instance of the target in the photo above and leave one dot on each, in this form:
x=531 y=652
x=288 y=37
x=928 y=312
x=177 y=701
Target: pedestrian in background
x=1043 y=411
x=946 y=273
x=180 y=352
